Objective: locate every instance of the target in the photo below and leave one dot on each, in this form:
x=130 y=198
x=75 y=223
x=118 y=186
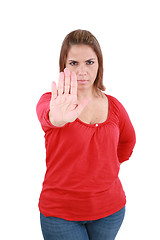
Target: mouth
x=82 y=81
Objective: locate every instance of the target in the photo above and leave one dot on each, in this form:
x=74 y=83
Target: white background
x=31 y=36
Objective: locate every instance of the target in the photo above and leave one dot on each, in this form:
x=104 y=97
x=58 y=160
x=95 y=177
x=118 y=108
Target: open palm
x=63 y=105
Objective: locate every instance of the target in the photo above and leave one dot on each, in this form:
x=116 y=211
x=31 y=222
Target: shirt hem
x=87 y=218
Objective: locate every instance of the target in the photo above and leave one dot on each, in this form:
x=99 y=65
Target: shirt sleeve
x=42 y=109
x=127 y=137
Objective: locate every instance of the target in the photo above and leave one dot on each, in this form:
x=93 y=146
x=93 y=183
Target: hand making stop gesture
x=63 y=105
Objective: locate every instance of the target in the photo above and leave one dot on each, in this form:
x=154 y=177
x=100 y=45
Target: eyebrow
x=70 y=60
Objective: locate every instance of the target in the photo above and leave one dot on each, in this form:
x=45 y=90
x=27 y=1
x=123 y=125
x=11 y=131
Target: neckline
x=98 y=124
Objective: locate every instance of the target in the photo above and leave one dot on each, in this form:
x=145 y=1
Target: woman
x=87 y=135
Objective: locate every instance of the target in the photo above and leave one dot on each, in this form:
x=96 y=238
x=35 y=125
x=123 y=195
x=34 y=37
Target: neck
x=85 y=93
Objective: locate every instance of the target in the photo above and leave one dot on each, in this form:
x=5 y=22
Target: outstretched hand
x=63 y=105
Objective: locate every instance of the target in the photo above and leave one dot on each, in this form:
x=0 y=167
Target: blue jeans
x=54 y=228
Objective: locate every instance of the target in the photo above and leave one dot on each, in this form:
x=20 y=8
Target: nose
x=82 y=70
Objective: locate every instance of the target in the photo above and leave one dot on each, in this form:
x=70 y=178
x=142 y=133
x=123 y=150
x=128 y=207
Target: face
x=83 y=61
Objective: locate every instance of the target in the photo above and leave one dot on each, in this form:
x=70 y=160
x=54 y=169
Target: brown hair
x=83 y=37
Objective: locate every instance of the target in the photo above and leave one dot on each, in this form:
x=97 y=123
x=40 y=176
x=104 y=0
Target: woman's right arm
x=60 y=107
x=43 y=109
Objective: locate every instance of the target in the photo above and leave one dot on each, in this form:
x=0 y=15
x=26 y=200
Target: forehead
x=81 y=52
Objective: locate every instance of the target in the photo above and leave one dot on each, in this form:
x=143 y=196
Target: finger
x=54 y=90
x=73 y=83
x=67 y=80
x=60 y=83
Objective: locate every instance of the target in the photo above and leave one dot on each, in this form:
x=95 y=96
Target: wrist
x=56 y=124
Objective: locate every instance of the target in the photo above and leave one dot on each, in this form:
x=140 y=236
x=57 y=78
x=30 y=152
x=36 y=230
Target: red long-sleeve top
x=82 y=164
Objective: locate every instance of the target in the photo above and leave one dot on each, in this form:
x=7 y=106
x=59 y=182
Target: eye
x=73 y=63
x=90 y=62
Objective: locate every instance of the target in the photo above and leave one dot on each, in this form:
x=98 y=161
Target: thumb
x=82 y=105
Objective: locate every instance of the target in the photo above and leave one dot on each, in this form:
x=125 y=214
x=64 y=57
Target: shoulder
x=117 y=107
x=45 y=97
x=43 y=100
x=114 y=101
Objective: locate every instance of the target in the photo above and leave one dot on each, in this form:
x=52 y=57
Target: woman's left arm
x=127 y=136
